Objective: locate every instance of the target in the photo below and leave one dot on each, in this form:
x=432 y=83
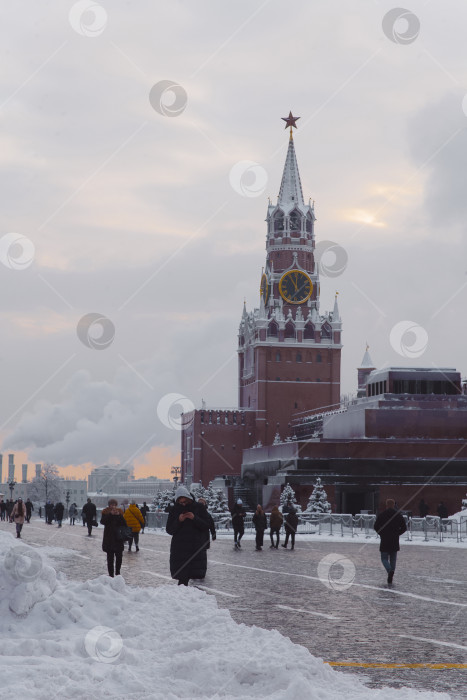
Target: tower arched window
x=309 y=223
x=273 y=330
x=278 y=221
x=326 y=331
x=295 y=223
x=278 y=356
x=289 y=330
x=298 y=357
x=309 y=331
x=319 y=358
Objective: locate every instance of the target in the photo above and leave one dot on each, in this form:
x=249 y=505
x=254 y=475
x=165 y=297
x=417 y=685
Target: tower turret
x=365 y=369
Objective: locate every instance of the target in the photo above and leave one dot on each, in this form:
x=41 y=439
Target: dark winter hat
x=182 y=492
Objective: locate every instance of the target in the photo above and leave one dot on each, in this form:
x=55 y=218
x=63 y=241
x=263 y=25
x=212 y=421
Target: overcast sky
x=121 y=193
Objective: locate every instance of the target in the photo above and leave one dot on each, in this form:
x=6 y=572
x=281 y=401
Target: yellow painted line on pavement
x=358 y=664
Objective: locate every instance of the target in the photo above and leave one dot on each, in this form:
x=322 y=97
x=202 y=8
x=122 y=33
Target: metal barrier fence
x=344 y=524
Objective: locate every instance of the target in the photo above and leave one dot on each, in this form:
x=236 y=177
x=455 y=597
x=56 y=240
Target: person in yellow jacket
x=134 y=519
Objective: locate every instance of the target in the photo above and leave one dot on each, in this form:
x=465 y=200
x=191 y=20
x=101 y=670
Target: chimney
x=11 y=467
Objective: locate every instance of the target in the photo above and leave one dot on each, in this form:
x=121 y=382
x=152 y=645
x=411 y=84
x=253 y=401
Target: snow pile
x=25 y=579
x=104 y=639
x=459 y=515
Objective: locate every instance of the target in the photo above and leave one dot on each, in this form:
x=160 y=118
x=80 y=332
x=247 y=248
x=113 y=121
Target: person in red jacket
x=390 y=525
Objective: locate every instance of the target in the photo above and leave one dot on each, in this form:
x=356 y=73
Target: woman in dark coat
x=260 y=522
x=189 y=527
x=275 y=524
x=112 y=519
x=290 y=525
x=238 y=522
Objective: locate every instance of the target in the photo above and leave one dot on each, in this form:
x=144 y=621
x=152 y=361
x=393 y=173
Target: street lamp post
x=11 y=486
x=67 y=499
x=175 y=471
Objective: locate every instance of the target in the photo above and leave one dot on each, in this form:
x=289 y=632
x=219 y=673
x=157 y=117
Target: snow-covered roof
x=367 y=362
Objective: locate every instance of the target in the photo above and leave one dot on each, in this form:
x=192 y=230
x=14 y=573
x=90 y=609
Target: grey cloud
x=437 y=135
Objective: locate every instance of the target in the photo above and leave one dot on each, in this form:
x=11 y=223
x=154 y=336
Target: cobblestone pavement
x=342 y=613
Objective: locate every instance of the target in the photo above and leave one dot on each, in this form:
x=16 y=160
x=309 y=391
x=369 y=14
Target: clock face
x=295 y=287
x=264 y=288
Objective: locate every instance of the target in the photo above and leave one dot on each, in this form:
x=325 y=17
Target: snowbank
x=104 y=639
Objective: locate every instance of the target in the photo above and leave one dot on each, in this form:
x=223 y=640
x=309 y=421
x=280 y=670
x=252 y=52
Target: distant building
x=406 y=439
x=77 y=490
x=144 y=489
x=108 y=478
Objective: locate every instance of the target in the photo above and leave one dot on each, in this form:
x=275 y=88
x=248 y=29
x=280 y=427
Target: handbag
x=123 y=533
x=95 y=523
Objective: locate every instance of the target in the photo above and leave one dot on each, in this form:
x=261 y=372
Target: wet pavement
x=331 y=597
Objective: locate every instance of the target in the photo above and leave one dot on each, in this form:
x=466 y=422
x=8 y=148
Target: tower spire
x=291 y=192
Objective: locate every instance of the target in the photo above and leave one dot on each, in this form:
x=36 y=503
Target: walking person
x=18 y=515
x=238 y=522
x=188 y=525
x=290 y=524
x=2 y=509
x=9 y=508
x=275 y=524
x=72 y=513
x=260 y=522
x=49 y=512
x=212 y=525
x=134 y=519
x=90 y=513
x=29 y=509
x=390 y=525
x=58 y=512
x=112 y=542
x=144 y=511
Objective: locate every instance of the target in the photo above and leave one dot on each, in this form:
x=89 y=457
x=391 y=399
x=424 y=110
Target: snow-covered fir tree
x=277 y=439
x=288 y=494
x=464 y=503
x=199 y=491
x=318 y=501
x=164 y=498
x=215 y=500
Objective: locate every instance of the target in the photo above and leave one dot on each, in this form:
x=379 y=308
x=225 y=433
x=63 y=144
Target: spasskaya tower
x=289 y=354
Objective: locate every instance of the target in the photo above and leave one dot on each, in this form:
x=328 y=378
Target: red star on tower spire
x=290 y=121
